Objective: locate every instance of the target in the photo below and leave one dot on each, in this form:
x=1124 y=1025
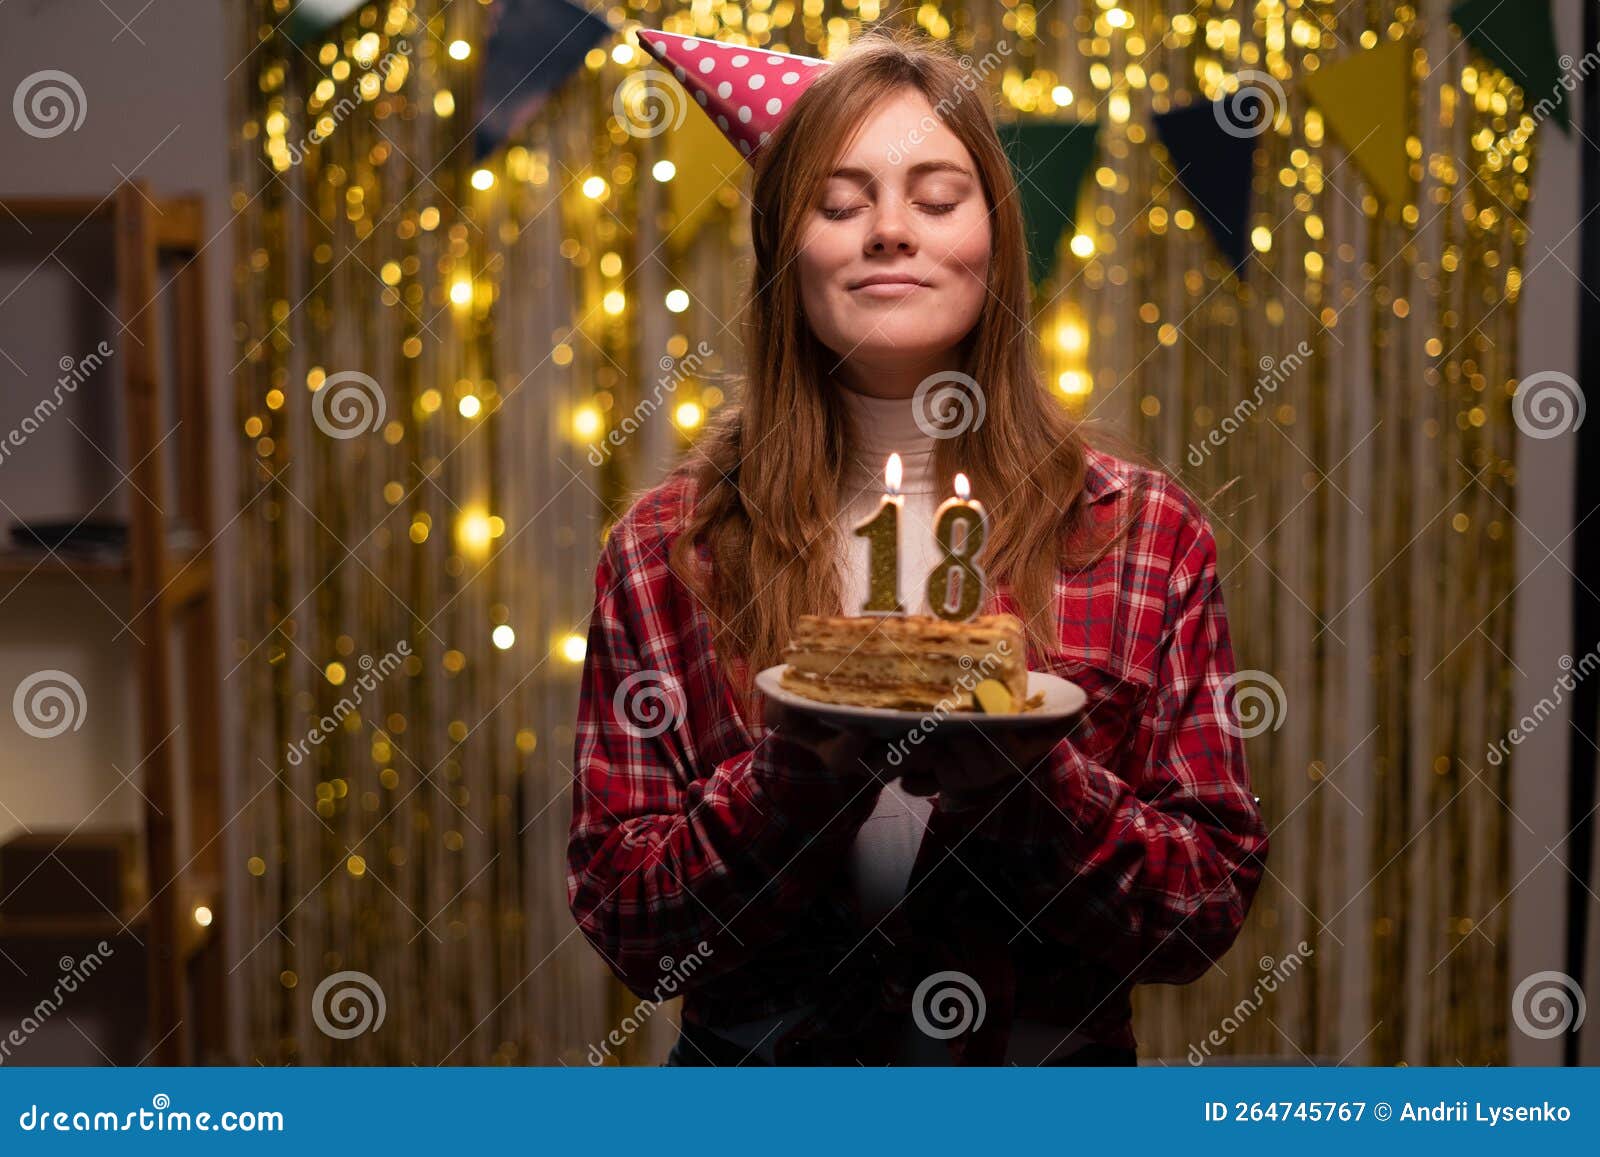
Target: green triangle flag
x=1049 y=160
x=311 y=18
x=1521 y=39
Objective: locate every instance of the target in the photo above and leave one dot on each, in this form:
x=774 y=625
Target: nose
x=891 y=230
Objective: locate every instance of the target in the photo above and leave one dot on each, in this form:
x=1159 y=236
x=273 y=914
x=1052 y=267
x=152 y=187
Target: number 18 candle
x=955 y=586
x=882 y=532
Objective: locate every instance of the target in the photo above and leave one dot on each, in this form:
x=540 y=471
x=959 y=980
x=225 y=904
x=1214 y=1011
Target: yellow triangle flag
x=704 y=162
x=1365 y=103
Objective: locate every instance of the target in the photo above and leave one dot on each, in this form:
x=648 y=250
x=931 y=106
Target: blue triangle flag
x=533 y=46
x=1213 y=158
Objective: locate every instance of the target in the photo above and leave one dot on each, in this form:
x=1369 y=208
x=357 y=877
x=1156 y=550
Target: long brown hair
x=767 y=469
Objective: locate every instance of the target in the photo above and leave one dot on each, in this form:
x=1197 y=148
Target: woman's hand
x=962 y=766
x=835 y=747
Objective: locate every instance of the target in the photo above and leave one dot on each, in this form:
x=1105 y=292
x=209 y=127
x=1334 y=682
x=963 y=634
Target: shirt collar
x=1101 y=477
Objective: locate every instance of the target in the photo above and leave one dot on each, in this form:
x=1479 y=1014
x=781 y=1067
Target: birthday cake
x=910 y=662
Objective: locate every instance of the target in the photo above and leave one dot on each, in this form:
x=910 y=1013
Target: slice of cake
x=906 y=662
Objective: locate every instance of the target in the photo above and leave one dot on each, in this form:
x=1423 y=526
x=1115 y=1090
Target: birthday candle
x=882 y=532
x=955 y=585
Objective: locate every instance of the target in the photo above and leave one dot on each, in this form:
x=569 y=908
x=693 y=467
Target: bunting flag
x=1519 y=38
x=1213 y=158
x=533 y=45
x=1365 y=101
x=703 y=161
x=310 y=18
x=1049 y=160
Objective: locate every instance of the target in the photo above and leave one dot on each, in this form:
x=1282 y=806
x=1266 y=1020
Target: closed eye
x=938 y=209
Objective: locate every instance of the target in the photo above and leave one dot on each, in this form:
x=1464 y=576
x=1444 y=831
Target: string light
x=587 y=423
x=1074 y=383
x=476 y=531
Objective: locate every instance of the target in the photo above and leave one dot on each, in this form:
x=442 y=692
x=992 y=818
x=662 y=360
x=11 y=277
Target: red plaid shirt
x=708 y=857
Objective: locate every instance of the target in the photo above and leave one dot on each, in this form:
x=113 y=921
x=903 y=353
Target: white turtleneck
x=886 y=846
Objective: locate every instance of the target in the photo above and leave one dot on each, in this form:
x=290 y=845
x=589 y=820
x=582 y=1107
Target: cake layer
x=910 y=662
x=899 y=696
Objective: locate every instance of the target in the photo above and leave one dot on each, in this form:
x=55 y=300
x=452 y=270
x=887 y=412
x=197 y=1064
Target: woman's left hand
x=963 y=765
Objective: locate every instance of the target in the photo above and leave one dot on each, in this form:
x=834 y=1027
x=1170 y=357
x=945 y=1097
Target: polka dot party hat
x=747 y=91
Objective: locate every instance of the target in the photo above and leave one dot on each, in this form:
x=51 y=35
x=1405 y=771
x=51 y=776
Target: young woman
x=813 y=896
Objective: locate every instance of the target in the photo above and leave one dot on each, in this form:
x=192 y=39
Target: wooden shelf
x=166 y=569
x=64 y=208
x=186 y=577
x=30 y=563
x=100 y=927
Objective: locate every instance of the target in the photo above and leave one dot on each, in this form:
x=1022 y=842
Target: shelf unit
x=169 y=593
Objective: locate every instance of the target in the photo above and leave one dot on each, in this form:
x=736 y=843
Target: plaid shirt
x=708 y=856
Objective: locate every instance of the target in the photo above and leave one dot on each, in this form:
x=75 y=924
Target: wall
x=156 y=88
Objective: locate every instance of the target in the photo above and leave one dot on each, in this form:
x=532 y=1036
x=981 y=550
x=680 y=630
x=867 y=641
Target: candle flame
x=891 y=474
x=963 y=487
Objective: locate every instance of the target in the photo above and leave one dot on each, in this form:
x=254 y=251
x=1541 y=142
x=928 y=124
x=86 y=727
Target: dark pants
x=698 y=1046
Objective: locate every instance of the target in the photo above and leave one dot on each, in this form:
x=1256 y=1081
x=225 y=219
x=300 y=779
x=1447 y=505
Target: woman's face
x=894 y=258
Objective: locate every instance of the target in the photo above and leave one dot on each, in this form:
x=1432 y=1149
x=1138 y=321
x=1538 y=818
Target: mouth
x=888 y=286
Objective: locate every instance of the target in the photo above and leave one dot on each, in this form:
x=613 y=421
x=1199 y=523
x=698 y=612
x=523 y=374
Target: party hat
x=746 y=91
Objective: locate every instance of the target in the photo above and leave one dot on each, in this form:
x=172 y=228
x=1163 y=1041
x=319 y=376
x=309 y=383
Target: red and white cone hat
x=747 y=91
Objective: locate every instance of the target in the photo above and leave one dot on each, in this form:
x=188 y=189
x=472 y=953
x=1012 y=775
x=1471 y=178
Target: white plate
x=1061 y=700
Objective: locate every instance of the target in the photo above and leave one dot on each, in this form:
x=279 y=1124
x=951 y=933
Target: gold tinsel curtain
x=416 y=594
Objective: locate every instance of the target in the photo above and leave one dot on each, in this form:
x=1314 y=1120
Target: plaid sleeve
x=664 y=853
x=1150 y=867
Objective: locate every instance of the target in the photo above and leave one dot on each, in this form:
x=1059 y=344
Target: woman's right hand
x=838 y=747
